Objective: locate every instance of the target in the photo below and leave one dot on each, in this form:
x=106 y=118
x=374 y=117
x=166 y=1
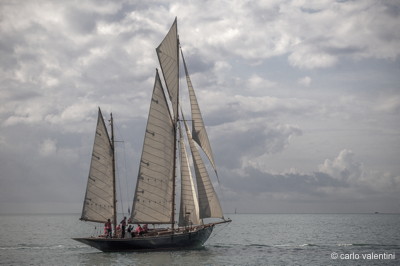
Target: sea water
x=251 y=239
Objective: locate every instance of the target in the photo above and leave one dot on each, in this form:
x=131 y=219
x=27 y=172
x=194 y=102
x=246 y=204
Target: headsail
x=153 y=201
x=209 y=206
x=189 y=207
x=198 y=128
x=168 y=55
x=98 y=204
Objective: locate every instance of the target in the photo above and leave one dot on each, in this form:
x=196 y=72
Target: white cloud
x=305 y=81
x=389 y=104
x=306 y=59
x=296 y=28
x=48 y=147
x=259 y=83
x=343 y=167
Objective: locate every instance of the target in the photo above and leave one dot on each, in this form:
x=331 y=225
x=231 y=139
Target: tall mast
x=173 y=183
x=113 y=168
x=175 y=141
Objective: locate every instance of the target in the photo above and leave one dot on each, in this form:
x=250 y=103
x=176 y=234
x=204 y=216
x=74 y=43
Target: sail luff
x=209 y=206
x=189 y=206
x=99 y=204
x=153 y=200
x=198 y=129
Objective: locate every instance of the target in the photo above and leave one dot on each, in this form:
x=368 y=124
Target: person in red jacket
x=139 y=230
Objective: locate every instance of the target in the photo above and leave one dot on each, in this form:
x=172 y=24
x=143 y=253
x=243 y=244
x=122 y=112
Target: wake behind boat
x=154 y=199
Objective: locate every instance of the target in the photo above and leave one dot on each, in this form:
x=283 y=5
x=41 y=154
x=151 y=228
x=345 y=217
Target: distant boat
x=154 y=199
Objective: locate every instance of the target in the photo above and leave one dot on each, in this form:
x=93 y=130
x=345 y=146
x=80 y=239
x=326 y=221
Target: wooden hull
x=180 y=240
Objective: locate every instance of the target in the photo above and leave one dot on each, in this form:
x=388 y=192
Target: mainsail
x=98 y=204
x=198 y=128
x=153 y=201
x=189 y=207
x=209 y=206
x=168 y=56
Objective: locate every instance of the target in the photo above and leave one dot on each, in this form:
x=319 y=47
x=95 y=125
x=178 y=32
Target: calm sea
x=251 y=239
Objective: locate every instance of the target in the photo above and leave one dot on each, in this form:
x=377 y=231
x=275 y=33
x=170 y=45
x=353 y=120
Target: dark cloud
x=258 y=182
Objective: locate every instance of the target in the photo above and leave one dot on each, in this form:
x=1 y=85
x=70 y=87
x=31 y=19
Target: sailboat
x=166 y=135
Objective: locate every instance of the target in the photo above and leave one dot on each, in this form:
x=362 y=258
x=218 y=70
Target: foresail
x=198 y=128
x=98 y=203
x=189 y=207
x=154 y=189
x=209 y=206
x=168 y=56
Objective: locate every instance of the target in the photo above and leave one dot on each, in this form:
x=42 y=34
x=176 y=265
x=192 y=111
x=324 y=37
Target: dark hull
x=181 y=240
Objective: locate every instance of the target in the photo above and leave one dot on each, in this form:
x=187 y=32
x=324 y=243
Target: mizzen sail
x=98 y=204
x=153 y=200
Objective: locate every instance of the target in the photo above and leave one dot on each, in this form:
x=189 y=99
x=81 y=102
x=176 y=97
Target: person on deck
x=132 y=231
x=123 y=224
x=129 y=230
x=139 y=230
x=118 y=231
x=145 y=229
x=108 y=228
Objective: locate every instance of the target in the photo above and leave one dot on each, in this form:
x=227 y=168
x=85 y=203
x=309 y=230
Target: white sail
x=198 y=128
x=168 y=56
x=98 y=204
x=209 y=206
x=153 y=201
x=189 y=207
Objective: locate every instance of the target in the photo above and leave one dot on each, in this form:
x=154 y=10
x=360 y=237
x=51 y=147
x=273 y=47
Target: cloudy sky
x=301 y=98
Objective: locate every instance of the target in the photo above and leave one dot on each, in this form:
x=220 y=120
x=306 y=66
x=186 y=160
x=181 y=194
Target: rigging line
x=120 y=194
x=119 y=132
x=219 y=231
x=221 y=191
x=126 y=177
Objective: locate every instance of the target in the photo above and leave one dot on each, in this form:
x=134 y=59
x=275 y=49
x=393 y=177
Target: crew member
x=123 y=224
x=108 y=229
